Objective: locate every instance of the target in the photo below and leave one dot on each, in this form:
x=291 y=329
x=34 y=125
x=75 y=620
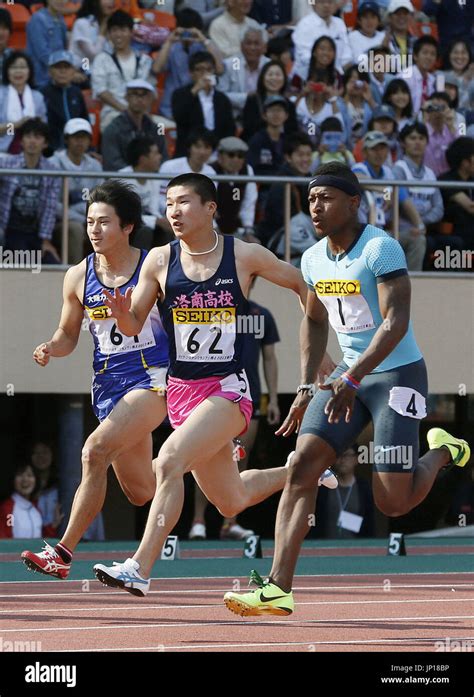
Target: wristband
x=349 y=380
x=304 y=388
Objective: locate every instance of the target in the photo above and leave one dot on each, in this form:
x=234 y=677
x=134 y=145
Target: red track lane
x=408 y=612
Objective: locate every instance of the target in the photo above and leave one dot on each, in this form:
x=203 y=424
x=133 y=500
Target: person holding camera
x=200 y=104
x=332 y=147
x=318 y=102
x=173 y=58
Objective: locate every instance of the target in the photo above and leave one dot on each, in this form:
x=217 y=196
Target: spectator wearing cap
x=235 y=213
x=228 y=30
x=426 y=199
x=111 y=71
x=459 y=203
x=199 y=148
x=5 y=34
x=383 y=119
x=440 y=122
x=201 y=104
x=28 y=203
x=173 y=58
x=298 y=152
x=241 y=72
x=143 y=156
x=75 y=159
x=18 y=100
x=320 y=22
x=64 y=100
x=419 y=77
x=266 y=147
x=45 y=33
x=366 y=34
x=455 y=20
x=133 y=122
x=400 y=41
x=375 y=149
x=272 y=82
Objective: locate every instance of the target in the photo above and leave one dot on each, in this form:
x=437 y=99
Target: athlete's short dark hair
x=199 y=183
x=122 y=197
x=337 y=169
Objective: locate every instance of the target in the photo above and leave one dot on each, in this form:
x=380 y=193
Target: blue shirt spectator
x=45 y=32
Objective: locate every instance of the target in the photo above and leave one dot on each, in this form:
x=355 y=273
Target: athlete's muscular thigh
x=135 y=416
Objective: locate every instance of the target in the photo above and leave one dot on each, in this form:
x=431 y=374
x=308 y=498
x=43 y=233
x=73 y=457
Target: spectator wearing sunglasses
x=235 y=213
x=440 y=122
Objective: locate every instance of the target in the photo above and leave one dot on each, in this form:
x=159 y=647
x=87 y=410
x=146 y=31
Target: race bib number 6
x=204 y=335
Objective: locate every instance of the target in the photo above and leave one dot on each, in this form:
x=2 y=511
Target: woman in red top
x=19 y=516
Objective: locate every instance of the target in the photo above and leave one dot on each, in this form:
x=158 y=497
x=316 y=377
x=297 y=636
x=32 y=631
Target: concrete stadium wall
x=442 y=314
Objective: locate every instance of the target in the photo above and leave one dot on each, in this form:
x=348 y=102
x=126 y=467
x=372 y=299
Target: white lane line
x=365 y=642
x=170 y=606
x=223 y=623
x=208 y=578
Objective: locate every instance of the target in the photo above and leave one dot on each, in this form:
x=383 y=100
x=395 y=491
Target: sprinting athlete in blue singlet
x=359 y=284
x=129 y=381
x=202 y=281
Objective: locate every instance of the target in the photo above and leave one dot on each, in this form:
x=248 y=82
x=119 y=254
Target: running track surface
x=397 y=604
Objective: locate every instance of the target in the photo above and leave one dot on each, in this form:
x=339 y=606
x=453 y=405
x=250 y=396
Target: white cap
x=395 y=5
x=140 y=84
x=77 y=126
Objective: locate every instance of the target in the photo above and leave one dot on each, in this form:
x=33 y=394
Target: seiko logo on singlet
x=337 y=287
x=223 y=280
x=97 y=313
x=209 y=315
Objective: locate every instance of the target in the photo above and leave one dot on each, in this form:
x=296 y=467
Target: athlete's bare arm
x=315 y=362
x=65 y=338
x=255 y=260
x=132 y=309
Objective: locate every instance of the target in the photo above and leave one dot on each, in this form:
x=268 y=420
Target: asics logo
x=224 y=280
x=263 y=599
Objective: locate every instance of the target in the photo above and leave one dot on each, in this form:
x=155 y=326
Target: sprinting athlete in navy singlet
x=122 y=363
x=203 y=322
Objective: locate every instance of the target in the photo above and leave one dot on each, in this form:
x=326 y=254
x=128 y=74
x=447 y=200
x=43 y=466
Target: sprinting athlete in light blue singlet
x=359 y=285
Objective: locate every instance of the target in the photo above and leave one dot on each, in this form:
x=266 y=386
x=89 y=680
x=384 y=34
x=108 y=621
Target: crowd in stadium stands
x=239 y=87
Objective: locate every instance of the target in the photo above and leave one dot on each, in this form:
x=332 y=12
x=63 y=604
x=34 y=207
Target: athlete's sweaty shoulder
x=74 y=280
